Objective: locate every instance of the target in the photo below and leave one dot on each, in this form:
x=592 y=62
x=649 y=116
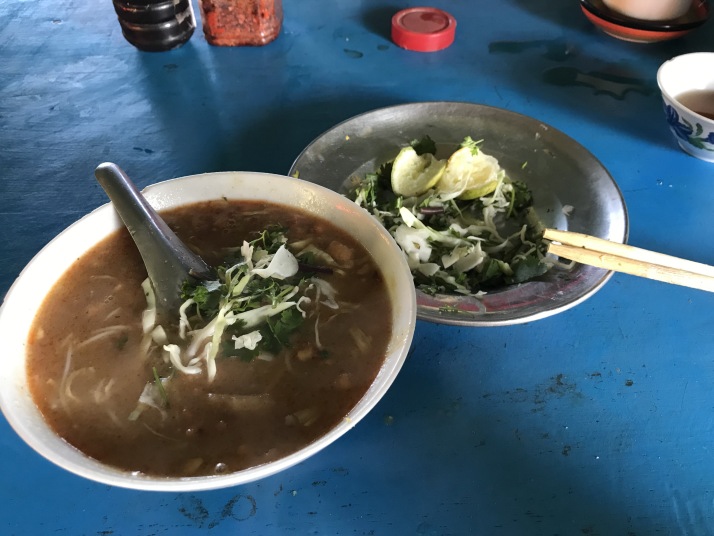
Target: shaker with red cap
x=423 y=29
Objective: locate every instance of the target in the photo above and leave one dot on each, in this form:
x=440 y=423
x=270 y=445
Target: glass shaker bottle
x=241 y=22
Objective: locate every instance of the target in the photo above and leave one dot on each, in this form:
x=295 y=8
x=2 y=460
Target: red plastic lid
x=424 y=29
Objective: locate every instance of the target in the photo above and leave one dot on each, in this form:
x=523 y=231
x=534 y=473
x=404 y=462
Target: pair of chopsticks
x=601 y=253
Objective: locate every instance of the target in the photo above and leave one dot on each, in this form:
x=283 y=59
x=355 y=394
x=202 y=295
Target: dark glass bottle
x=156 y=25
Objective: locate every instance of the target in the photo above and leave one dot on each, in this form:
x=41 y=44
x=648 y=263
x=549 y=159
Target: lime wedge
x=468 y=175
x=414 y=174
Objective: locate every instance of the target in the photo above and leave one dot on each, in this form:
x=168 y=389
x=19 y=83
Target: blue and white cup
x=687 y=86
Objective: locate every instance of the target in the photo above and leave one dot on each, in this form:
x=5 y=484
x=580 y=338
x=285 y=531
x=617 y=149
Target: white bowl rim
x=662 y=71
x=403 y=317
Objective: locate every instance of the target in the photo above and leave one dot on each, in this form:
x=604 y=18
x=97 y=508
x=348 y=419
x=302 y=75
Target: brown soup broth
x=700 y=101
x=86 y=371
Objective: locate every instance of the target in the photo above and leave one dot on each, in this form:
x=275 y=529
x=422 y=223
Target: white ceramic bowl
x=650 y=9
x=687 y=79
x=36 y=280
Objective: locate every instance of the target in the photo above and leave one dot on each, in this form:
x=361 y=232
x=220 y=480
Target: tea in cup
x=687 y=86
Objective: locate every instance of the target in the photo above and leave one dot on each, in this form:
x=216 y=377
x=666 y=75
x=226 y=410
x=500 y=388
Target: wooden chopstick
x=627 y=259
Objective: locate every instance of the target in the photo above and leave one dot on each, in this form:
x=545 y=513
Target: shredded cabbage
x=257 y=302
x=454 y=243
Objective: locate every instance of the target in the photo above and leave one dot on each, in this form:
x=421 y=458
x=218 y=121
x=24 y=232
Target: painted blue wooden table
x=597 y=421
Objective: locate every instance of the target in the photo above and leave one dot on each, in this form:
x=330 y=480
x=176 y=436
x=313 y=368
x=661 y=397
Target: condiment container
x=156 y=25
x=241 y=22
x=423 y=29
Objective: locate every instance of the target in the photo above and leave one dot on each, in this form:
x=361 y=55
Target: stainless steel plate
x=559 y=171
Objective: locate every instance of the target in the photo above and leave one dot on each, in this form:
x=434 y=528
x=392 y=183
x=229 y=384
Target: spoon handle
x=168 y=261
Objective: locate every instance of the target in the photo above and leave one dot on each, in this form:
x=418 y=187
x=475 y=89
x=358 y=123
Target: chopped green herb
x=424 y=145
x=471 y=144
x=160 y=387
x=278 y=333
x=253 y=307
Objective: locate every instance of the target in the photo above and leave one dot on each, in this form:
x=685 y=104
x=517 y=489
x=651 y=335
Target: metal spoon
x=168 y=261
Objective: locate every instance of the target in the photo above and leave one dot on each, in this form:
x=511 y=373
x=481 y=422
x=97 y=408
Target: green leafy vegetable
x=471 y=144
x=160 y=386
x=255 y=306
x=279 y=331
x=423 y=146
x=454 y=244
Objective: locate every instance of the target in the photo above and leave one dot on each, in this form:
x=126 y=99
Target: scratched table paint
x=598 y=421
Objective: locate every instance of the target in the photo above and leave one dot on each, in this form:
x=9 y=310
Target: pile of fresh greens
x=464 y=226
x=262 y=296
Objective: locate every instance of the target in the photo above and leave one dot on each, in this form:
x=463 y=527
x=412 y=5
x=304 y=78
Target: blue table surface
x=597 y=421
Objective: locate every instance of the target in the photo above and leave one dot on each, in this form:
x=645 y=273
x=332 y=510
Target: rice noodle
x=362 y=340
x=102 y=333
x=303 y=299
x=305 y=417
x=318 y=344
x=157 y=434
x=67 y=365
x=113 y=416
x=210 y=362
x=148 y=317
x=184 y=324
x=66 y=393
x=113 y=314
x=174 y=354
x=101 y=393
x=104 y=276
